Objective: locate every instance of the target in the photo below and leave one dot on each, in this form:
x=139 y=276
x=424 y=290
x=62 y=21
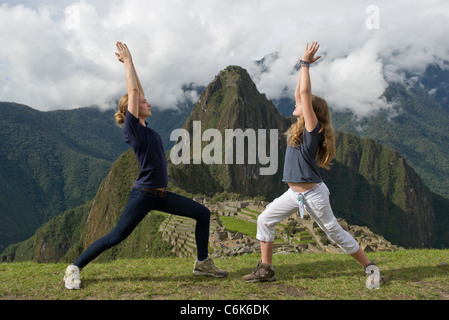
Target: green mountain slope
x=65 y=236
x=374 y=186
x=50 y=162
x=417 y=131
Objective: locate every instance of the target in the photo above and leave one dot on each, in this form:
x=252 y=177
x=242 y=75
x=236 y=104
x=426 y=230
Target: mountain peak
x=232 y=100
x=235 y=76
x=233 y=106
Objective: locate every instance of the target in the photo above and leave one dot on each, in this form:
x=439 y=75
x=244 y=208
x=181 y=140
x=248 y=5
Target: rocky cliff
x=374 y=186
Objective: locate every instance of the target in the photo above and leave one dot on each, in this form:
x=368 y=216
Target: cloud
x=360 y=62
x=47 y=65
x=60 y=54
x=354 y=82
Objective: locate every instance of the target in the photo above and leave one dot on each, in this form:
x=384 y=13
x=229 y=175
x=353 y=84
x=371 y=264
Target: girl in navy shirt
x=150 y=189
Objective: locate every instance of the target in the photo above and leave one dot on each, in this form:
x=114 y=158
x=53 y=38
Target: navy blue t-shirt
x=147 y=145
x=299 y=164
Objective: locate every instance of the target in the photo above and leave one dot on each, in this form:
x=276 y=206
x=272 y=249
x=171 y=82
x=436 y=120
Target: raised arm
x=133 y=85
x=304 y=87
x=135 y=73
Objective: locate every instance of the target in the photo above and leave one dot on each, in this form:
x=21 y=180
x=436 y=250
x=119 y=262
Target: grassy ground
x=238 y=225
x=408 y=274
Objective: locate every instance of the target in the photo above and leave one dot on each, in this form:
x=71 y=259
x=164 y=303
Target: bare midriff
x=301 y=186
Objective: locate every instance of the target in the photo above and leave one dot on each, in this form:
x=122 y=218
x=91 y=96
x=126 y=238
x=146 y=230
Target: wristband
x=301 y=63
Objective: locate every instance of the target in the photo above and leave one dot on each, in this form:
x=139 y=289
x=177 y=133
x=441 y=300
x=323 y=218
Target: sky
x=59 y=54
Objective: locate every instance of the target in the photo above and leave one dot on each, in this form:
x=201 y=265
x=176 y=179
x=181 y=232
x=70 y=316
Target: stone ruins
x=293 y=235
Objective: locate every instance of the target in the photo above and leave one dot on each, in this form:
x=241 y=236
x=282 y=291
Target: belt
x=156 y=192
x=301 y=199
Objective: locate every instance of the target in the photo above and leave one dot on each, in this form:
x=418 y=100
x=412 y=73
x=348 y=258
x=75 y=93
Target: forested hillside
x=51 y=162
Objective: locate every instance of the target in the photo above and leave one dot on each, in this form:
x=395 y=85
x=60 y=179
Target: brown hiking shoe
x=208 y=268
x=263 y=272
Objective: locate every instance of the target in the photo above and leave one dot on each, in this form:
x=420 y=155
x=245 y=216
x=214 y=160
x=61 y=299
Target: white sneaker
x=72 y=277
x=374 y=279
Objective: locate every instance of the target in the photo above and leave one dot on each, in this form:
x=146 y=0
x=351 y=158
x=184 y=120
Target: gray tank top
x=300 y=164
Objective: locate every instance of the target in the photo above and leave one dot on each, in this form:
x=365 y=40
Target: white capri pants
x=316 y=203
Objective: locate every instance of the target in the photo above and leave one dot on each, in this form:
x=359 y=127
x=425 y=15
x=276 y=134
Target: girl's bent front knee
x=204 y=213
x=265 y=230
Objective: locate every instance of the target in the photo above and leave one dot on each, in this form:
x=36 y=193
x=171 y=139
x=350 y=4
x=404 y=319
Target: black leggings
x=139 y=204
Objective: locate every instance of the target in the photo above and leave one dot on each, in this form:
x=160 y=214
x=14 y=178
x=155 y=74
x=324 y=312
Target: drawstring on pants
x=301 y=199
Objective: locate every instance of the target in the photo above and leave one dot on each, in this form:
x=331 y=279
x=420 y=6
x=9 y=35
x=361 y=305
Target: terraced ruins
x=292 y=234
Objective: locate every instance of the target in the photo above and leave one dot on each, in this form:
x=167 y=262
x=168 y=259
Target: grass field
x=238 y=225
x=408 y=274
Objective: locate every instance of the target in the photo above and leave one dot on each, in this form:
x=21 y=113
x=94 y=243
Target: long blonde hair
x=326 y=149
x=122 y=108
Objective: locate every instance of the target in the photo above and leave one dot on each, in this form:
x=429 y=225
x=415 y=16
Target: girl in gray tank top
x=311 y=143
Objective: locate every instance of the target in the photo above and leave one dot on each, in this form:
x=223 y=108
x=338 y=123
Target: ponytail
x=122 y=108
